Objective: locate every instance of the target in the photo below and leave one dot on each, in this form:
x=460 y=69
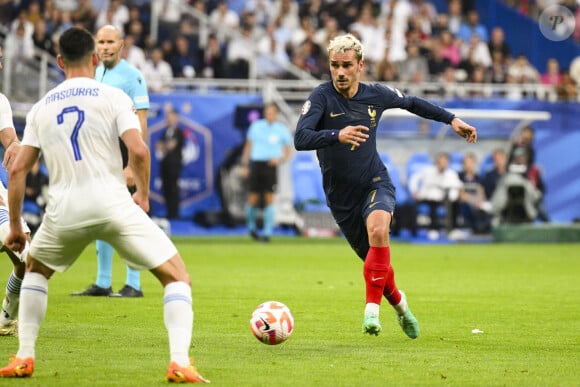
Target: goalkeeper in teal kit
x=118 y=72
x=339 y=120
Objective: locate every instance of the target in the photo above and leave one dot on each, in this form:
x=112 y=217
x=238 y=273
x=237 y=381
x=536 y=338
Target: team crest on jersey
x=373 y=116
x=306 y=107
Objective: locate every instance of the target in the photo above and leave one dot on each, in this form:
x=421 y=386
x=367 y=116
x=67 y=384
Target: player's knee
x=173 y=270
x=378 y=231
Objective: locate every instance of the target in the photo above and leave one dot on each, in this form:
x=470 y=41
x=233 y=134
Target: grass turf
x=523 y=297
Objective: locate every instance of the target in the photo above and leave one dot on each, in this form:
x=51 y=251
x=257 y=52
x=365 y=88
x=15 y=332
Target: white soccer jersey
x=77 y=126
x=5 y=113
x=5 y=122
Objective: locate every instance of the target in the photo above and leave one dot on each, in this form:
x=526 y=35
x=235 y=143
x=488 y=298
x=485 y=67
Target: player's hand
x=15 y=240
x=141 y=200
x=354 y=135
x=245 y=171
x=129 y=178
x=468 y=132
x=276 y=162
x=10 y=154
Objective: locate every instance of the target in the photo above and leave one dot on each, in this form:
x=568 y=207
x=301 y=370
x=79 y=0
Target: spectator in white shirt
x=158 y=74
x=435 y=186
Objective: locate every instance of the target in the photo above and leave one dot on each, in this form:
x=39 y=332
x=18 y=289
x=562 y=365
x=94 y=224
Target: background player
x=9 y=140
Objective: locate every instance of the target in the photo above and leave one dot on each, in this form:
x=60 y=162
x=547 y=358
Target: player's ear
x=60 y=62
x=95 y=59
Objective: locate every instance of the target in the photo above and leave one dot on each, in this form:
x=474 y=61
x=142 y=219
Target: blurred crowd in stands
x=405 y=40
x=456 y=194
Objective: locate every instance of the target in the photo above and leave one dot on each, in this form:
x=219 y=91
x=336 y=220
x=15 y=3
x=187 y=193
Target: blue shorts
x=381 y=196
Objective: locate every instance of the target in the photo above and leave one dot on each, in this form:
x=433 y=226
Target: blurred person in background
x=169 y=150
x=268 y=144
x=473 y=204
x=158 y=73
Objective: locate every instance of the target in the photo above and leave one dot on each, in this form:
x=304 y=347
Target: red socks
x=380 y=276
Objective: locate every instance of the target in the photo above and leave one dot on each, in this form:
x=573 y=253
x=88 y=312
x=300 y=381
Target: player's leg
x=269 y=181
x=145 y=246
x=353 y=227
x=269 y=216
x=48 y=252
x=33 y=304
x=178 y=318
x=132 y=286
x=9 y=313
x=378 y=226
x=102 y=288
x=378 y=271
x=251 y=211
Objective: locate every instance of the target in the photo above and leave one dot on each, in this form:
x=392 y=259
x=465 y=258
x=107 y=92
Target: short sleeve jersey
x=5 y=113
x=6 y=121
x=77 y=126
x=127 y=78
x=268 y=140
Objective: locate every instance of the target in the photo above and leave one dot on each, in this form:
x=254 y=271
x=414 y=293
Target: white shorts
x=137 y=239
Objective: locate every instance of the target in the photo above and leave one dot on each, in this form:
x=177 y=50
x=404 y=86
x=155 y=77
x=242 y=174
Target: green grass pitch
x=525 y=299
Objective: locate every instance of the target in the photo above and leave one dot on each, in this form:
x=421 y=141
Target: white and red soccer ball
x=272 y=322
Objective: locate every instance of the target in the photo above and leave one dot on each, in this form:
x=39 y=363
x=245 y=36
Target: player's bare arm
x=139 y=162
x=129 y=174
x=246 y=158
x=142 y=114
x=354 y=135
x=27 y=156
x=464 y=130
x=129 y=178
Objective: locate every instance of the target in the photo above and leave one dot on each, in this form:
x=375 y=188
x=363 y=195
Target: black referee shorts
x=263 y=177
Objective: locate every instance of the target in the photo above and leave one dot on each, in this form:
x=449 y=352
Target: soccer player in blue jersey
x=339 y=120
x=119 y=73
x=268 y=144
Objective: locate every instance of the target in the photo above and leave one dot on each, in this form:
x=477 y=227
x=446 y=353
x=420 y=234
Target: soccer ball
x=272 y=322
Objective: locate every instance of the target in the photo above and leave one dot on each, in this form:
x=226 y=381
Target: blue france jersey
x=348 y=172
x=127 y=78
x=268 y=140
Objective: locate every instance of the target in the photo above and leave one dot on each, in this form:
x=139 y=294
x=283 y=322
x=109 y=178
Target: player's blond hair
x=343 y=43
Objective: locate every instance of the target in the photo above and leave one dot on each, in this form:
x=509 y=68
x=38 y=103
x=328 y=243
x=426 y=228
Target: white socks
x=372 y=309
x=178 y=318
x=10 y=303
x=33 y=302
x=401 y=307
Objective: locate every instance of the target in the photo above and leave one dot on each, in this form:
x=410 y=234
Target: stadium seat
x=403 y=195
x=456 y=161
x=307 y=183
x=385 y=159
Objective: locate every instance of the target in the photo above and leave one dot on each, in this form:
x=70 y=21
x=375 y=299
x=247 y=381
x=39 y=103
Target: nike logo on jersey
x=373 y=204
x=376 y=278
x=333 y=115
